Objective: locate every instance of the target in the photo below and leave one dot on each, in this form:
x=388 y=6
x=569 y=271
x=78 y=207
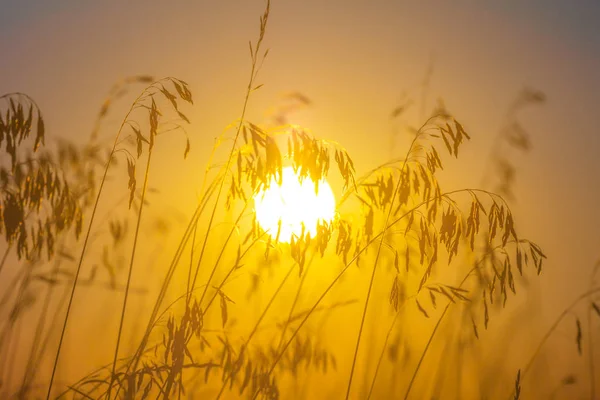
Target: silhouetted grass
x=437 y=254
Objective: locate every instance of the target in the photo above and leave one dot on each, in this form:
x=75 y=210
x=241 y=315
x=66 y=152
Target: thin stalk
x=39 y=329
x=293 y=308
x=364 y=314
x=437 y=325
x=233 y=146
x=94 y=373
x=390 y=331
x=85 y=242
x=12 y=286
x=163 y=290
x=591 y=356
x=218 y=288
x=44 y=345
x=233 y=268
x=591 y=346
x=197 y=213
x=129 y=273
x=459 y=356
x=167 y=279
x=170 y=380
x=14 y=317
x=5 y=353
x=222 y=181
x=550 y=331
x=443 y=370
x=372 y=280
x=15 y=348
x=189 y=279
x=220 y=256
x=387 y=164
x=247 y=342
x=354 y=258
x=387 y=338
x=4 y=257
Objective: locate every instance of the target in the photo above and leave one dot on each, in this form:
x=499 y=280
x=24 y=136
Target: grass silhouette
x=403 y=251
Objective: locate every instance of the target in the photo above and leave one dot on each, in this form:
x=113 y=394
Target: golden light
x=293 y=203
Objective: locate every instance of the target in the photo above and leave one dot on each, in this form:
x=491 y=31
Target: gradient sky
x=356 y=60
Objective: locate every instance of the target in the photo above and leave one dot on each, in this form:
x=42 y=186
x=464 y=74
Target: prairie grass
x=378 y=303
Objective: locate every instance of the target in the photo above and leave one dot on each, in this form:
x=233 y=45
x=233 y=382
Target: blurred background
x=356 y=61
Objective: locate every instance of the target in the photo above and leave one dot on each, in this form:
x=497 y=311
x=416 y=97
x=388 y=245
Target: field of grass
x=397 y=290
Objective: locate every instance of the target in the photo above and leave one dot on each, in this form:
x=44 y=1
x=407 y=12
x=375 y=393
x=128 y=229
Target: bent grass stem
x=378 y=254
x=245 y=345
x=129 y=273
x=85 y=242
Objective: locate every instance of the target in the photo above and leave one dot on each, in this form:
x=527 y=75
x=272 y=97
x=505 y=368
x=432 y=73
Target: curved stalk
x=553 y=327
x=85 y=242
x=220 y=256
x=293 y=308
x=4 y=257
x=387 y=338
x=15 y=347
x=189 y=279
x=233 y=268
x=44 y=345
x=245 y=345
x=135 y=240
x=133 y=362
x=591 y=346
x=437 y=325
x=29 y=369
x=354 y=258
x=8 y=329
x=171 y=377
x=197 y=213
x=385 y=227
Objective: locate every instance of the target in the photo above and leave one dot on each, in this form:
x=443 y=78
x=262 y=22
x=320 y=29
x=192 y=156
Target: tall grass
x=410 y=252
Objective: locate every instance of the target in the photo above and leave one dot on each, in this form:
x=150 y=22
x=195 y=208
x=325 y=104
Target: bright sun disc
x=293 y=203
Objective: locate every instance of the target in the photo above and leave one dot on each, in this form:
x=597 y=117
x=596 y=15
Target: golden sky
x=356 y=60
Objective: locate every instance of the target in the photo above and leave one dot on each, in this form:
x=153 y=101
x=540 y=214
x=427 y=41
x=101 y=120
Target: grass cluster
x=404 y=257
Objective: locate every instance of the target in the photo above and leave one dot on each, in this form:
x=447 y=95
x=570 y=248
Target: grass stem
x=129 y=272
x=85 y=242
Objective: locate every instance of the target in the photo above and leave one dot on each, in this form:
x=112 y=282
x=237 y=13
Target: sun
x=293 y=203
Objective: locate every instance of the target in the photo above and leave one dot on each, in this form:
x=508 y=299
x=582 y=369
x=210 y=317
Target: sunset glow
x=293 y=203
